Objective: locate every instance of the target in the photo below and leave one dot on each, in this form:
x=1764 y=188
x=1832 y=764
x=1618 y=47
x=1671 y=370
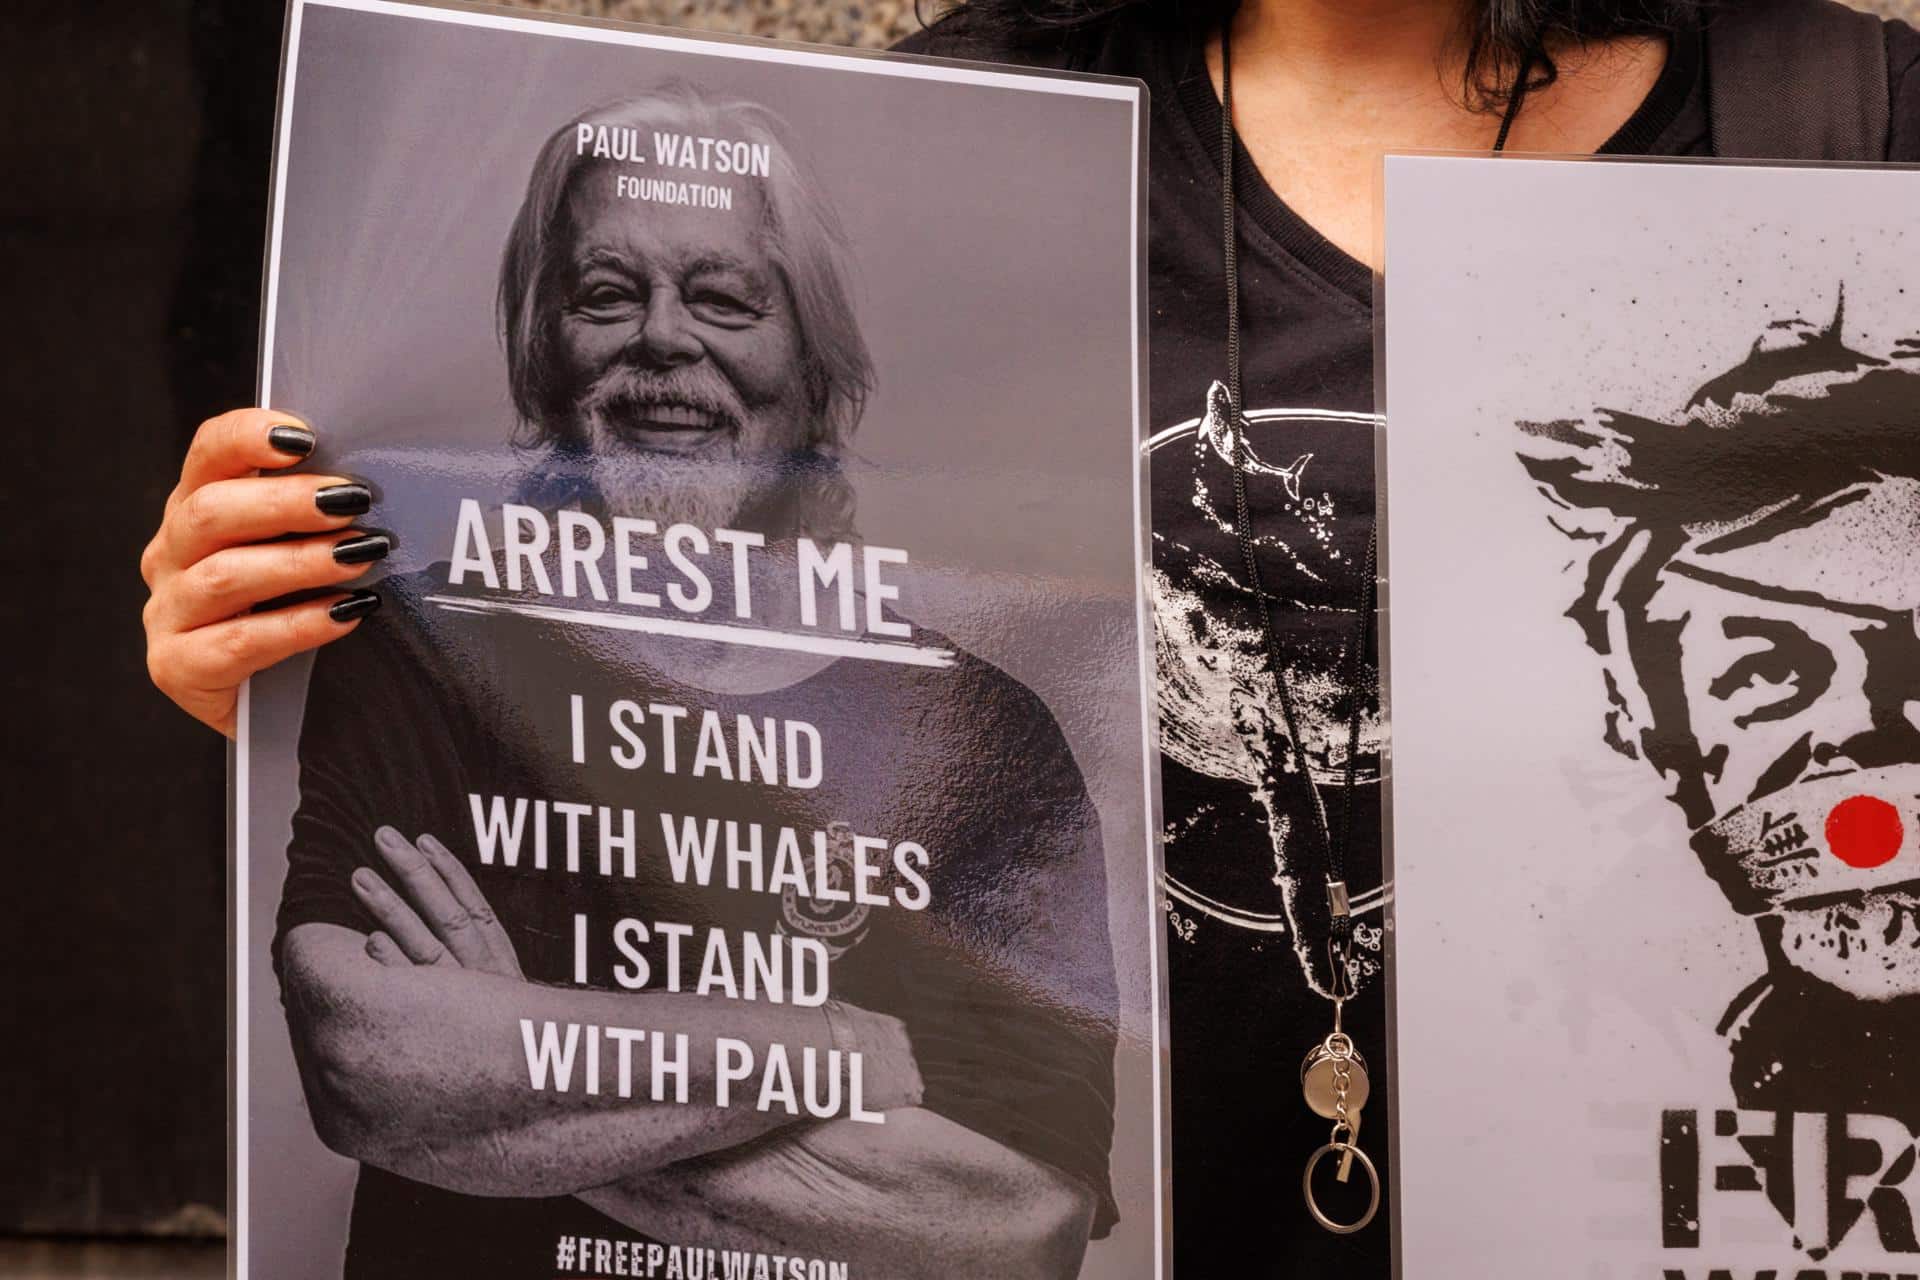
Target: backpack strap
x=1797 y=80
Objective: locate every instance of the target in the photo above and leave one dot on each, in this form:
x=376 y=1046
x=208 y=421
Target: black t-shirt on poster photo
x=1247 y=911
x=1003 y=971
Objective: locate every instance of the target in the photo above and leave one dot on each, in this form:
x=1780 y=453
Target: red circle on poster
x=1864 y=832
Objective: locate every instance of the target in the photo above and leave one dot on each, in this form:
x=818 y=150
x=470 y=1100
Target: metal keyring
x=1373 y=1180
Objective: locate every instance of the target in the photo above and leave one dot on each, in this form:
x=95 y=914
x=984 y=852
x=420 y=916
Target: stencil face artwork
x=1237 y=840
x=1805 y=703
x=1752 y=576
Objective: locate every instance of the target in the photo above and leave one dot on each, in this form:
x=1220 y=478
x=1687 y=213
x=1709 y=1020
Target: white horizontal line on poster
x=716 y=45
x=906 y=655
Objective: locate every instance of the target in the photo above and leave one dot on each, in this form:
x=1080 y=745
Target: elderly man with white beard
x=1752 y=588
x=439 y=934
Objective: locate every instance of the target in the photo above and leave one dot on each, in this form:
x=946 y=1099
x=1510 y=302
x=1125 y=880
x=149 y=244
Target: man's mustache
x=1821 y=840
x=625 y=393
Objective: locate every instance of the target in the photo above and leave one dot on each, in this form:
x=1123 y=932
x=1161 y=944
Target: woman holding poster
x=1317 y=93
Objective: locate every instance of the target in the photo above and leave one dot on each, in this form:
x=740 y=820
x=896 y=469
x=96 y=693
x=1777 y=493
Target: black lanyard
x=1333 y=1078
x=1334 y=851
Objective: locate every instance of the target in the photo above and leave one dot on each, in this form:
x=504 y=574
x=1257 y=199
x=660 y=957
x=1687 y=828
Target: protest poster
x=729 y=851
x=1653 y=479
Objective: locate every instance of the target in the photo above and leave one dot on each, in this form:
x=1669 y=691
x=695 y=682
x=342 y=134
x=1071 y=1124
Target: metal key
x=1353 y=1144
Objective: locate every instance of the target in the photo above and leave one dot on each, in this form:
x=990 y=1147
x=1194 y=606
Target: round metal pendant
x=1318 y=1081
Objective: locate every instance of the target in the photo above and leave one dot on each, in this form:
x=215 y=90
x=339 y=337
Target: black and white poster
x=1653 y=544
x=729 y=853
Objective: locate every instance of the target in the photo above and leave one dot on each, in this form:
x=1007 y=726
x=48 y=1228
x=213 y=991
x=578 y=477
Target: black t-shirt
x=1004 y=980
x=1247 y=911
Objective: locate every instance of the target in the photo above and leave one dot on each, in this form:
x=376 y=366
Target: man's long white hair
x=804 y=240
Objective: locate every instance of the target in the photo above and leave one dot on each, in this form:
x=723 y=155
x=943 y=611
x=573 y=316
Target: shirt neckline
x=1183 y=71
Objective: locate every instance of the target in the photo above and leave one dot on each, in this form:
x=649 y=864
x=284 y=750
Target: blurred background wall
x=136 y=153
x=872 y=23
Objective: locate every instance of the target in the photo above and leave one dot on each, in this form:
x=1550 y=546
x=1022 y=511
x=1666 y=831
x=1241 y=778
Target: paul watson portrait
x=692 y=361
x=1751 y=580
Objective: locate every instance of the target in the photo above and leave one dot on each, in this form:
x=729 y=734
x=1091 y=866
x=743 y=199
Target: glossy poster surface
x=729 y=850
x=1654 y=561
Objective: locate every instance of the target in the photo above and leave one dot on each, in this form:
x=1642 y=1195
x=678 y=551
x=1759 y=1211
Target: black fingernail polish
x=364 y=549
x=357 y=605
x=297 y=441
x=344 y=500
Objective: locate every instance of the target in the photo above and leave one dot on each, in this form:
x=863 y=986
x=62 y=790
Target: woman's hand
x=232 y=538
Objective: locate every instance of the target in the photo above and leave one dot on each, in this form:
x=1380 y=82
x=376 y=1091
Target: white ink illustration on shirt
x=1220 y=717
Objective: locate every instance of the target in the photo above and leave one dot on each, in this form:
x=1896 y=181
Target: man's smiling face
x=679 y=345
x=1796 y=683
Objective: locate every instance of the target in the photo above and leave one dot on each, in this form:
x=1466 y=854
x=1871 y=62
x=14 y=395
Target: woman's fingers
x=227 y=513
x=235 y=579
x=397 y=919
x=229 y=541
x=242 y=442
x=206 y=665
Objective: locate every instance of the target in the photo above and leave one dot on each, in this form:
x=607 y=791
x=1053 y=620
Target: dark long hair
x=1502 y=36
